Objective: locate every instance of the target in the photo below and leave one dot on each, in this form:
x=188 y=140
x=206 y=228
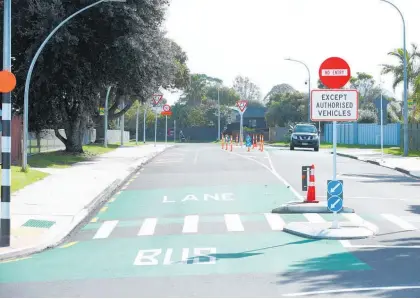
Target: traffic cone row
x=311 y=194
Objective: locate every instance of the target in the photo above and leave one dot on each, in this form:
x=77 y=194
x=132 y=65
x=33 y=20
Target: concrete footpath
x=46 y=212
x=407 y=165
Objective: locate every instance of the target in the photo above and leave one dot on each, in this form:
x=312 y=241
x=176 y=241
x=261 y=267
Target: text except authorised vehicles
x=334 y=105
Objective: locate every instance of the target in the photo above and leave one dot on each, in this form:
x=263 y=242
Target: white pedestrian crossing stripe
x=274 y=222
x=106 y=229
x=234 y=223
x=190 y=224
x=400 y=222
x=148 y=227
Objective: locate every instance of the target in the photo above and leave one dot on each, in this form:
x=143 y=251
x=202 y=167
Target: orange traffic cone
x=311 y=195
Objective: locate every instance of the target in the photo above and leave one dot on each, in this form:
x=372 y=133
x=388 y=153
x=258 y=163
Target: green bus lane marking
x=134 y=204
x=166 y=256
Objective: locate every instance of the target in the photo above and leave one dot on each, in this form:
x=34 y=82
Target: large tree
x=287 y=108
x=246 y=89
x=112 y=44
x=278 y=89
x=413 y=66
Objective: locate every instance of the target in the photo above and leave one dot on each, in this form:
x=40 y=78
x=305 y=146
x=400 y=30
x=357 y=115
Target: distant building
x=254 y=118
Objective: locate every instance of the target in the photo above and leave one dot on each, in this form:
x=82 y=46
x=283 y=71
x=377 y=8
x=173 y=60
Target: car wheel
x=292 y=147
x=316 y=149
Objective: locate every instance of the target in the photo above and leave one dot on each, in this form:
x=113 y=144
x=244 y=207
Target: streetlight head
x=123 y=1
x=287 y=58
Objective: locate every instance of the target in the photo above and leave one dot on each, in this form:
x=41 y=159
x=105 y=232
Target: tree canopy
x=112 y=44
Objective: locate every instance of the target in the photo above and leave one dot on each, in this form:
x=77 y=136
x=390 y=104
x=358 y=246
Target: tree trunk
x=74 y=136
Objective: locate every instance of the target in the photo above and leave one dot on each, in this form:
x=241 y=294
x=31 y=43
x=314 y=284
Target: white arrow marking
x=336 y=202
x=335 y=187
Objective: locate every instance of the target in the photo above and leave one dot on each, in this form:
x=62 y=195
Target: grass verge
x=22 y=179
x=62 y=159
x=399 y=152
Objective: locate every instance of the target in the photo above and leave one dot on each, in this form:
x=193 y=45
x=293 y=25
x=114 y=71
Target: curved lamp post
x=309 y=86
x=28 y=79
x=405 y=83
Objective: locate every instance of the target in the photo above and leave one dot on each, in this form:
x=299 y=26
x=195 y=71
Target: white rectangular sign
x=334 y=105
x=334 y=72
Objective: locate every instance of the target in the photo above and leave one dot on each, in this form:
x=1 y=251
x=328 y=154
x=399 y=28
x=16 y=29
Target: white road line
x=398 y=221
x=233 y=223
x=274 y=172
x=190 y=224
x=346 y=243
x=356 y=219
x=351 y=290
x=275 y=221
x=314 y=218
x=148 y=227
x=106 y=229
x=196 y=157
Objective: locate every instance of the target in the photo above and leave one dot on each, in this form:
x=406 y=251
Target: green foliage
x=287 y=108
x=367 y=117
x=112 y=44
x=246 y=89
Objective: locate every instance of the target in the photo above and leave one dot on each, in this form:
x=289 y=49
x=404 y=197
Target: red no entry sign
x=334 y=72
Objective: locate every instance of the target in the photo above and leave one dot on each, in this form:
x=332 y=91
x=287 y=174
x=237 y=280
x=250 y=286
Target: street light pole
x=218 y=118
x=309 y=86
x=106 y=117
x=137 y=124
x=144 y=122
x=28 y=79
x=405 y=82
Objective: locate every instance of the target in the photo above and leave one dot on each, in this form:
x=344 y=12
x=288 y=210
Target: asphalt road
x=196 y=222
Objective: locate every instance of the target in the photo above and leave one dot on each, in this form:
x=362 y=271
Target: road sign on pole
x=335 y=198
x=334 y=72
x=242 y=105
x=156 y=99
x=334 y=105
x=166 y=110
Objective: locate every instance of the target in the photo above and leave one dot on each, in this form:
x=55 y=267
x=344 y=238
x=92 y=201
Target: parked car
x=304 y=136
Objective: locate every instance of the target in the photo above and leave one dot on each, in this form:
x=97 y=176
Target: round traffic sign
x=7 y=81
x=166 y=108
x=334 y=72
x=335 y=204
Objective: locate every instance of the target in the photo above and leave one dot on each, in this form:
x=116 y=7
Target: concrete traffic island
x=303 y=207
x=346 y=230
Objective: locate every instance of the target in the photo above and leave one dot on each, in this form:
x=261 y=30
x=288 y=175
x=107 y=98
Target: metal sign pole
x=144 y=123
x=174 y=130
x=241 y=133
x=335 y=222
x=137 y=125
x=166 y=130
x=155 y=124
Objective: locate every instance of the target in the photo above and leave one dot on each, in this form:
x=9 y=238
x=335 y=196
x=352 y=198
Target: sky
x=225 y=38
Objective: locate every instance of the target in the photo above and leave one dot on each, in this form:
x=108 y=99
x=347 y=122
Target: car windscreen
x=304 y=129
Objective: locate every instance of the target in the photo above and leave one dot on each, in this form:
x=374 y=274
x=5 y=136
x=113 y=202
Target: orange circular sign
x=7 y=81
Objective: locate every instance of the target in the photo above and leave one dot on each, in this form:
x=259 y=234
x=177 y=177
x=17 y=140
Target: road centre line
x=395 y=288
x=274 y=172
x=347 y=244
